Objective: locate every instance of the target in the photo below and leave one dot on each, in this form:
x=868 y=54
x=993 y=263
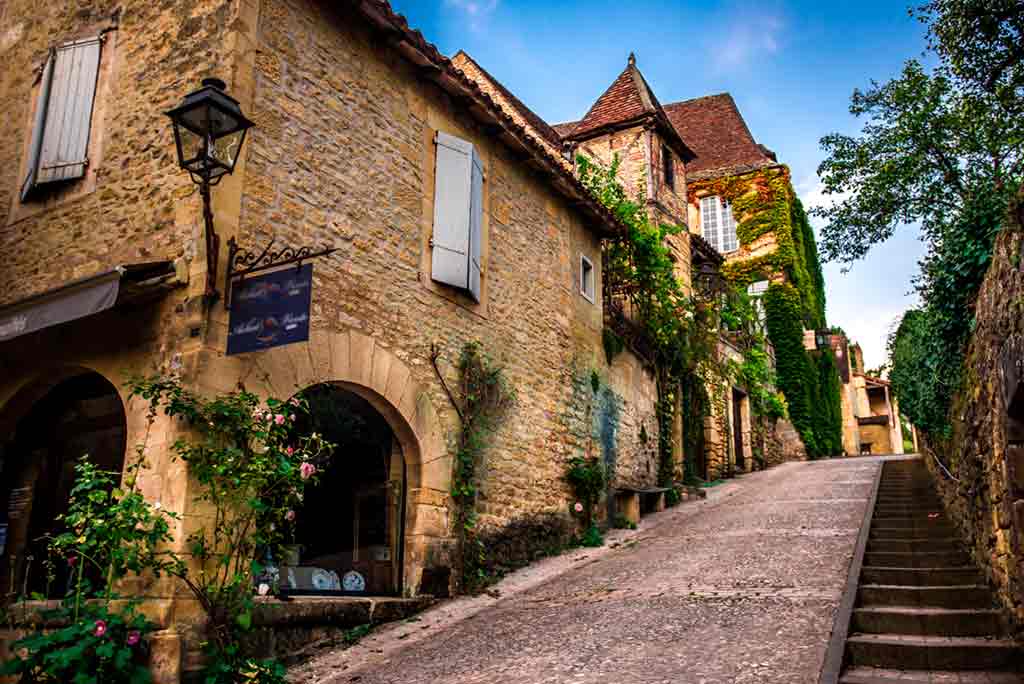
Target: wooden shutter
x=453 y=180
x=69 y=114
x=476 y=221
x=42 y=101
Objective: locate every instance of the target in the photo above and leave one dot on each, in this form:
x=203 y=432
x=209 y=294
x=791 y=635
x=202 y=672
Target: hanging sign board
x=270 y=310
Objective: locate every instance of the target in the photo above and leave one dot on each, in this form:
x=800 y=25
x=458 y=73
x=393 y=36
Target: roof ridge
x=544 y=128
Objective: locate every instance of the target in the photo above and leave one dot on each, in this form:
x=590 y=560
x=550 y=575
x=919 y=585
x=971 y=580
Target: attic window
x=668 y=168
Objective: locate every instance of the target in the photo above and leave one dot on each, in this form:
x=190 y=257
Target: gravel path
x=739 y=588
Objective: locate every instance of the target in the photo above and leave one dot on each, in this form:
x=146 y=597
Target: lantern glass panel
x=190 y=147
x=225 y=148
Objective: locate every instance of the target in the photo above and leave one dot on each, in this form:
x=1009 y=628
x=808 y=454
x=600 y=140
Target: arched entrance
x=80 y=415
x=348 y=532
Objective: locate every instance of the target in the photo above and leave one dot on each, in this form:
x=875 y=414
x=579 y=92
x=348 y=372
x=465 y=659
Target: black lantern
x=209 y=129
x=709 y=281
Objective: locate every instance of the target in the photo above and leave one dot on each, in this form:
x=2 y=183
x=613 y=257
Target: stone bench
x=633 y=502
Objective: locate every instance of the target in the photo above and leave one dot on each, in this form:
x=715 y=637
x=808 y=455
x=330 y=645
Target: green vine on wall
x=482 y=397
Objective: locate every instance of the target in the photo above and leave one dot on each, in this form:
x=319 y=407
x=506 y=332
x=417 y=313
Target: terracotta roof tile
x=539 y=124
x=627 y=98
x=564 y=129
x=714 y=129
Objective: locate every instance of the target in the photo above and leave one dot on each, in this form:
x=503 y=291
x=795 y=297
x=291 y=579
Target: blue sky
x=790 y=65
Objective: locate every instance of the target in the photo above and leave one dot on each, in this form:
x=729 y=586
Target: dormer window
x=668 y=167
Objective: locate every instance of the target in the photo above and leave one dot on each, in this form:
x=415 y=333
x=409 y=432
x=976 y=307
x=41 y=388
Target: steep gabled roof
x=540 y=125
x=714 y=129
x=627 y=100
x=564 y=129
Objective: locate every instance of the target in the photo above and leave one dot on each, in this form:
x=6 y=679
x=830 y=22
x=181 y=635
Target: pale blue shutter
x=452 y=204
x=476 y=220
x=65 y=146
x=38 y=125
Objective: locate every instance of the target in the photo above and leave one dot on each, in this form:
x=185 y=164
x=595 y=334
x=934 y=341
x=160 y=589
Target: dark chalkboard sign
x=270 y=310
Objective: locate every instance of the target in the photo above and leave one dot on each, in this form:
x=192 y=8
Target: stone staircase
x=924 y=612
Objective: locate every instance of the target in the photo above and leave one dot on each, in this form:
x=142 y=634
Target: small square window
x=587 y=278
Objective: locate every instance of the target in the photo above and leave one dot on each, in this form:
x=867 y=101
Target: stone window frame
x=723 y=234
x=587 y=279
x=72 y=190
x=668 y=169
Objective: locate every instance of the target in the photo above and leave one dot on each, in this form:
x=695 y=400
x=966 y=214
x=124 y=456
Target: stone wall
x=986 y=501
x=344 y=155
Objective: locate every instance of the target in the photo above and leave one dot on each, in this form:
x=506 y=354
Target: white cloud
x=475 y=11
x=749 y=34
x=812 y=193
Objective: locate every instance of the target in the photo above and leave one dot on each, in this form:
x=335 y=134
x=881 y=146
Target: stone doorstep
x=335 y=611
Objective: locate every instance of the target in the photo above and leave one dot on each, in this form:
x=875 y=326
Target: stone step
x=930 y=621
x=972 y=596
x=921 y=577
x=920 y=559
x=913 y=545
x=916 y=532
x=915 y=652
x=871 y=675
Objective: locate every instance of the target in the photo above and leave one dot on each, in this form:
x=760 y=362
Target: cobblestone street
x=739 y=588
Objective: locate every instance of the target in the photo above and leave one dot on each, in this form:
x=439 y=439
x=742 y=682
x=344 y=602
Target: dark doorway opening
x=349 y=529
x=82 y=415
x=737 y=428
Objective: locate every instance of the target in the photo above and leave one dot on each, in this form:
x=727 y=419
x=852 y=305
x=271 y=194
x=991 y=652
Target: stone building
x=674 y=158
x=452 y=222
x=871 y=417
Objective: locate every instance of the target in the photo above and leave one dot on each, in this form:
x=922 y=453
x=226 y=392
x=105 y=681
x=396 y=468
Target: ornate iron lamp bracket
x=243 y=262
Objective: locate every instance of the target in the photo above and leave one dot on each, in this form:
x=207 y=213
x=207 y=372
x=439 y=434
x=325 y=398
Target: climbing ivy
x=483 y=396
x=797 y=377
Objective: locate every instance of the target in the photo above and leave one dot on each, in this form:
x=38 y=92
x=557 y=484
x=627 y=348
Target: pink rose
x=101 y=628
x=306 y=470
x=578 y=507
x=279 y=419
x=289 y=451
x=72 y=560
x=289 y=516
x=133 y=638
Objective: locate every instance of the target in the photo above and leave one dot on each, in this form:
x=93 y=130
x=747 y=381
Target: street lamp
x=209 y=129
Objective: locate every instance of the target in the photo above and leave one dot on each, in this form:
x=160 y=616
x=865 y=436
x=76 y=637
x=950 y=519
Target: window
x=718 y=225
x=756 y=292
x=458 y=215
x=668 y=167
x=58 y=150
x=587 y=278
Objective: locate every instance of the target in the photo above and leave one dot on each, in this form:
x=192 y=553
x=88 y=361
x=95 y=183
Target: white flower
x=263 y=589
x=156 y=506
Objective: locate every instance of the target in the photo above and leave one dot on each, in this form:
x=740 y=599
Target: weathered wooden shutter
x=38 y=125
x=476 y=221
x=453 y=180
x=69 y=114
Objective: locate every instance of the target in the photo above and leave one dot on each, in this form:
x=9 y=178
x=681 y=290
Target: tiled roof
x=716 y=132
x=564 y=129
x=626 y=100
x=539 y=124
x=412 y=46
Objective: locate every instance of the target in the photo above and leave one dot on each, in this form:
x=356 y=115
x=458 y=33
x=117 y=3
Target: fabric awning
x=84 y=297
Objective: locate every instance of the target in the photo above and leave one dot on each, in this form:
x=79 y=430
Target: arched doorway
x=348 y=533
x=80 y=415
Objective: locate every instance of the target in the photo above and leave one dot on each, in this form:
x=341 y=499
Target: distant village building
x=871 y=416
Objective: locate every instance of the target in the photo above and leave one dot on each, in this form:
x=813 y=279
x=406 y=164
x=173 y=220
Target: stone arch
x=355 y=362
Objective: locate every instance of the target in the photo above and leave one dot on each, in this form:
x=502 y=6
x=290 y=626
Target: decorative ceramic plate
x=353 y=581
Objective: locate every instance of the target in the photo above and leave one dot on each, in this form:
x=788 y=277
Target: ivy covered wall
x=777 y=244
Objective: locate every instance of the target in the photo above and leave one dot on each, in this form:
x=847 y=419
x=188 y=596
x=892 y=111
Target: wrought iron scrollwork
x=243 y=262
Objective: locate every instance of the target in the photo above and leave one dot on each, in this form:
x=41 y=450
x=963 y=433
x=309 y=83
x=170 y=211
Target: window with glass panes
x=717 y=224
